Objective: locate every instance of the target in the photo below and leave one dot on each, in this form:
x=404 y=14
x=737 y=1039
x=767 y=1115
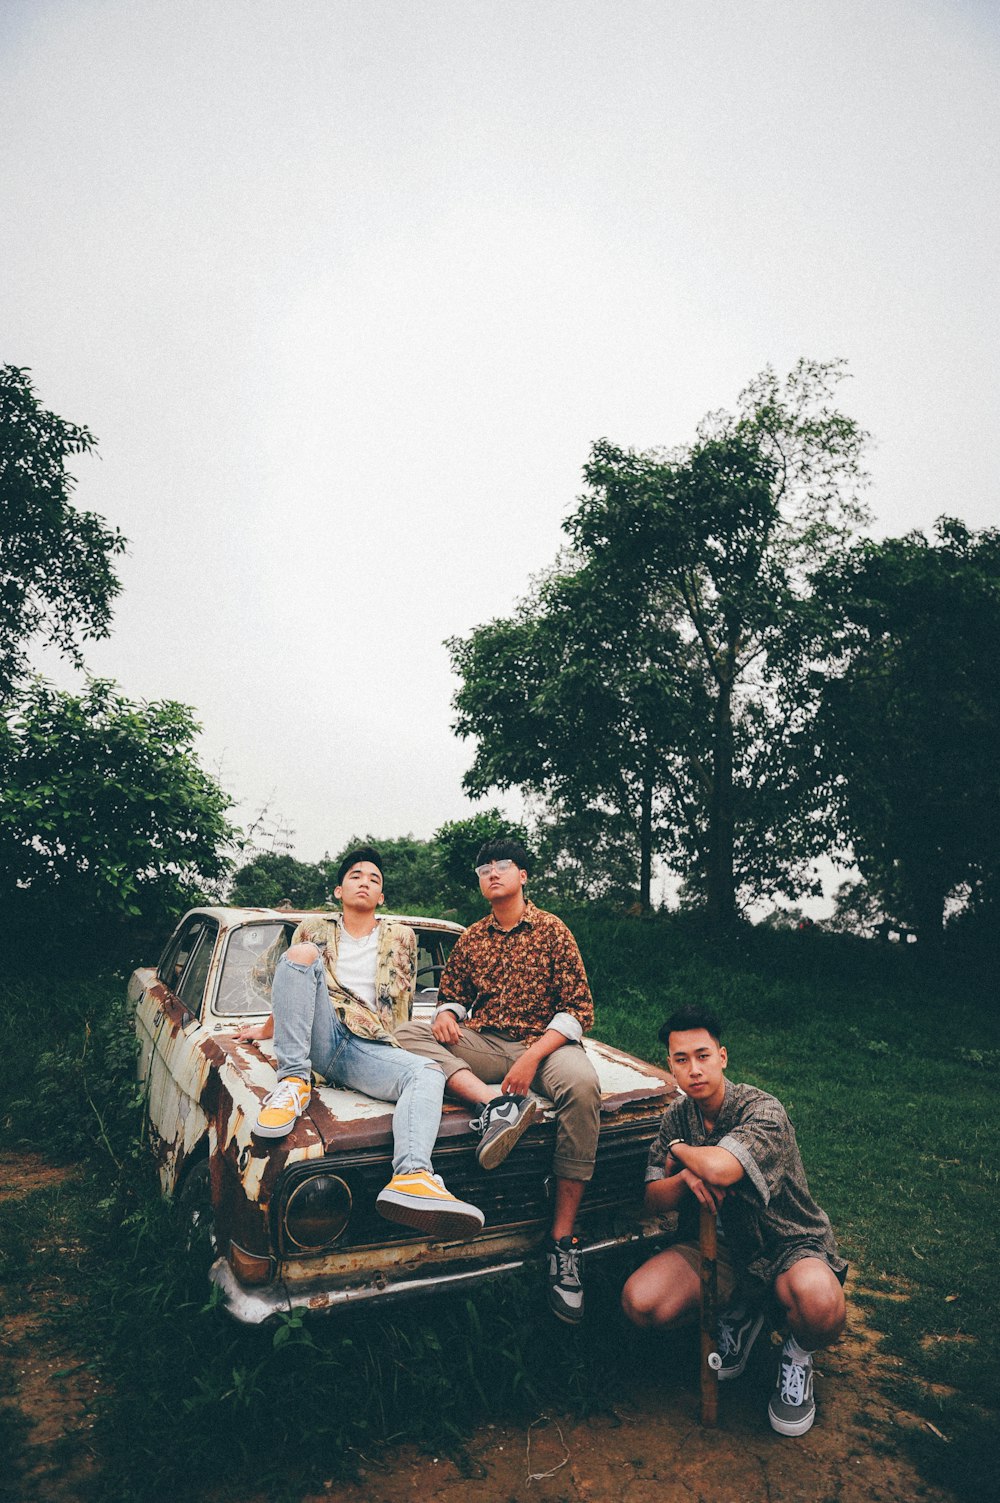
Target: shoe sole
x=568 y=1317
x=434 y=1221
x=273 y=1132
x=725 y=1375
x=792 y=1427
x=490 y=1154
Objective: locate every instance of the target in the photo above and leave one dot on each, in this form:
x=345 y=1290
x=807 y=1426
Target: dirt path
x=651 y=1449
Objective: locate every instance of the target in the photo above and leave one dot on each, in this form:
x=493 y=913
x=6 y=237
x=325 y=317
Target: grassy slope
x=887 y=1069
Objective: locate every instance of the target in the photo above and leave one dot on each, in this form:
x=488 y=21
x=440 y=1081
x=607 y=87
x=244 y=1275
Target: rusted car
x=293 y=1220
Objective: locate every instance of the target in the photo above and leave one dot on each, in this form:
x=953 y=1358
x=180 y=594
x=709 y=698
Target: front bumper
x=255 y=1306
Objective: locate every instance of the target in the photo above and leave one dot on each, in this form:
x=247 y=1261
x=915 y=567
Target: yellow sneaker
x=420 y=1200
x=280 y=1111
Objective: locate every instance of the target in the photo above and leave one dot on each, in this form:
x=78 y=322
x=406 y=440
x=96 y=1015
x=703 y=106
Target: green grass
x=887 y=1065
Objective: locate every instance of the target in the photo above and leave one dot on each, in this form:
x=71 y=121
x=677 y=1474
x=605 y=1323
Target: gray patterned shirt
x=769 y=1219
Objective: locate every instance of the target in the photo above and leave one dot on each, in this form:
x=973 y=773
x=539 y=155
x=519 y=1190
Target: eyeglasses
x=488 y=866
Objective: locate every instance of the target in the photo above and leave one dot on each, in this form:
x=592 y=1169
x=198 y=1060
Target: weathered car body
x=294 y=1219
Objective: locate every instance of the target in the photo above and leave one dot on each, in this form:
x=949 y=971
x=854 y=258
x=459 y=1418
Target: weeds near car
x=887 y=1067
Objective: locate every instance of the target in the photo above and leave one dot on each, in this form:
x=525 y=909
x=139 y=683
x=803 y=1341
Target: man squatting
x=731 y=1148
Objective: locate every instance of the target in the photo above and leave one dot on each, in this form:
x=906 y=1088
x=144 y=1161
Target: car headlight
x=316 y=1213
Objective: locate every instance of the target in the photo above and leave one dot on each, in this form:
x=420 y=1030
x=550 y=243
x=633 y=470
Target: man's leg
x=665 y=1291
x=813 y=1300
x=415 y=1196
x=474 y=1066
x=304 y=1032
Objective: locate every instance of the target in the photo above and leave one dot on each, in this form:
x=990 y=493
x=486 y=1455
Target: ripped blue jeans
x=308 y=1035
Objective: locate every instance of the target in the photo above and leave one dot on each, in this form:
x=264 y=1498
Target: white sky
x=346 y=291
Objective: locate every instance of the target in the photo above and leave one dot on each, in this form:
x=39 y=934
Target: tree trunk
x=721 y=824
x=646 y=839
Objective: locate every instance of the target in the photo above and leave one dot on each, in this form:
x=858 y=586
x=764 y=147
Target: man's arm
x=455 y=992
x=716 y=1166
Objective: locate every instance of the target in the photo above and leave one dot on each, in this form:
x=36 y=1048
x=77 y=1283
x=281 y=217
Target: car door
x=168 y=1023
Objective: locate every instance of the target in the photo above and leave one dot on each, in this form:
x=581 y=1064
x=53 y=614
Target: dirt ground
x=650 y=1449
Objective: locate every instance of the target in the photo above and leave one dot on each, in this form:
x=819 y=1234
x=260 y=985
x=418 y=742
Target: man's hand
x=445 y=1028
x=253 y=1031
x=706 y=1195
x=517 y=1081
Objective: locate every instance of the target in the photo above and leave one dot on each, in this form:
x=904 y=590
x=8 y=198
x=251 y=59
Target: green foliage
x=56 y=578
x=657 y=678
x=458 y=843
x=910 y=722
x=106 y=817
x=273 y=878
x=412 y=872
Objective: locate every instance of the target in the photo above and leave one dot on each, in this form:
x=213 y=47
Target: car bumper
x=255 y=1306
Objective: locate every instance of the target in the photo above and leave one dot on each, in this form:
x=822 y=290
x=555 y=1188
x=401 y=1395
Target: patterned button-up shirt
x=517 y=980
x=395 y=974
x=769 y=1219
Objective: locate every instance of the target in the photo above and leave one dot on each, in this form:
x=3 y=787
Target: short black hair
x=691 y=1016
x=360 y=853
x=502 y=849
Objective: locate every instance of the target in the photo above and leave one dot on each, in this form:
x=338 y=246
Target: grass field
x=888 y=1067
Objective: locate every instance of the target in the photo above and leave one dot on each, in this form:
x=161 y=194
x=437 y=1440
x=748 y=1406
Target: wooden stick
x=709 y=1383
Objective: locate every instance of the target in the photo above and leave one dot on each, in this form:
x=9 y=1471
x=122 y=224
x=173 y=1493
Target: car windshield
x=239 y=990
x=244 y=986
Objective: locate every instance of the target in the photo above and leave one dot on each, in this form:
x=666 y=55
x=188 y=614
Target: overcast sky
x=347 y=290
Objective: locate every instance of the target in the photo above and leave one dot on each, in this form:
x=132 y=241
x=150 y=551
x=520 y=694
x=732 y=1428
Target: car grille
x=516 y=1195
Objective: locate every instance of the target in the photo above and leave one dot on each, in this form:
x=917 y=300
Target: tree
x=412 y=873
x=458 y=843
x=105 y=815
x=910 y=723
x=672 y=647
x=274 y=877
x=56 y=578
x=577 y=697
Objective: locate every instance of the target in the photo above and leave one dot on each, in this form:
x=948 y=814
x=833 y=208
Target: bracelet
x=670 y=1145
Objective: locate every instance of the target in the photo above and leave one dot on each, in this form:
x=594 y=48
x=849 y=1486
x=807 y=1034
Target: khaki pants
x=566 y=1077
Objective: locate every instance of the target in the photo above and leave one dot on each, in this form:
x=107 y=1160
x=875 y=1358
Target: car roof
x=232 y=918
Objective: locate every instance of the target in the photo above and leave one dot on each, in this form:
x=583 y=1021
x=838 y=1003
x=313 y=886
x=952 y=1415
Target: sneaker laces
x=793 y=1380
x=284 y=1094
x=482 y=1122
x=727 y=1342
x=567 y=1265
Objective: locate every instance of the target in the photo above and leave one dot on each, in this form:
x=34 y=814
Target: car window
x=240 y=990
x=178 y=952
x=433 y=948
x=191 y=989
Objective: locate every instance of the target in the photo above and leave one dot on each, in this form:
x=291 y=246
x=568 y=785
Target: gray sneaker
x=502 y=1122
x=792 y=1407
x=735 y=1335
x=565 y=1284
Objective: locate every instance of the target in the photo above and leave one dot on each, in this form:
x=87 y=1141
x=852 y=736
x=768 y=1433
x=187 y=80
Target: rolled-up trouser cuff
x=579 y=1169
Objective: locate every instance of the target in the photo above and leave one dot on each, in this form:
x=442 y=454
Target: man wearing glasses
x=513 y=1007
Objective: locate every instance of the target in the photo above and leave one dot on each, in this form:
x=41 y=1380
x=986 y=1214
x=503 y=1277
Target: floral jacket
x=395 y=974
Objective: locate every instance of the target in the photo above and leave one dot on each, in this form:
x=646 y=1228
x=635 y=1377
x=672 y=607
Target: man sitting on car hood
x=339 y=992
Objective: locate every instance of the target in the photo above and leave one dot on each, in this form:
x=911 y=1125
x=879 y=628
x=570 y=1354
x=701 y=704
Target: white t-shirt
x=356 y=961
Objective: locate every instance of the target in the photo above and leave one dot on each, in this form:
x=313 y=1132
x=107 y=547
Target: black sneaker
x=565 y=1284
x=735 y=1334
x=503 y=1121
x=792 y=1407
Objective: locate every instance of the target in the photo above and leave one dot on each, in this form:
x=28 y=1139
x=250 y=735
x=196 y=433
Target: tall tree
x=56 y=576
x=579 y=697
x=689 y=587
x=106 y=816
x=910 y=724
